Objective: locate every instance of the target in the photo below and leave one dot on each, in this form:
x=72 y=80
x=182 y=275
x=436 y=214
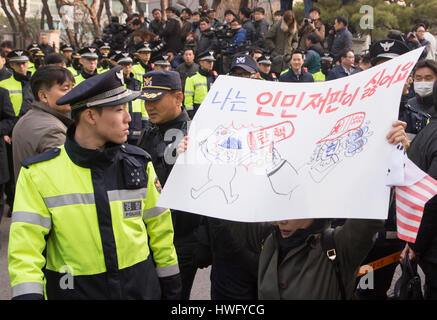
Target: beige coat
x=39 y=130
x=280 y=39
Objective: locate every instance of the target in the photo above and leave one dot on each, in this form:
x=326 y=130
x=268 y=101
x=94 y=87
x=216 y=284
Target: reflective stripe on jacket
x=97 y=221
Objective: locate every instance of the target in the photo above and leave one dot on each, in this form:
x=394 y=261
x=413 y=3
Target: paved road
x=200 y=291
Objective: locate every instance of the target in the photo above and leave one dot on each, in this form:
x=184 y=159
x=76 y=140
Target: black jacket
x=172 y=34
x=7 y=122
x=5 y=73
x=291 y=76
x=155 y=142
x=423 y=152
x=416 y=111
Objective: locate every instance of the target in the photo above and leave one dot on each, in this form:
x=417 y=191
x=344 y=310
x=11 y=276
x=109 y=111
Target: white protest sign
x=268 y=151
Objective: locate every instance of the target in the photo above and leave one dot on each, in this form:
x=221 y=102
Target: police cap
x=105 y=45
x=245 y=62
x=387 y=49
x=66 y=48
x=144 y=47
x=264 y=60
x=102 y=90
x=123 y=57
x=18 y=55
x=88 y=53
x=161 y=60
x=33 y=47
x=157 y=83
x=206 y=56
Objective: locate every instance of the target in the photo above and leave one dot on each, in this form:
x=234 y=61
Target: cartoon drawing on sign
x=347 y=138
x=227 y=148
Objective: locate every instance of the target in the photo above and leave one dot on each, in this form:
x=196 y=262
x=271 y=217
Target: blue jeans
x=308 y=5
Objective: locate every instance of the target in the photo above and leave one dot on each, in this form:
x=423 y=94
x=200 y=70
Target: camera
x=308 y=20
x=412 y=35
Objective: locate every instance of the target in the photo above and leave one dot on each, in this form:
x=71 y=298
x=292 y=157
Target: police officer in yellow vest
x=88 y=61
x=136 y=107
x=198 y=84
x=32 y=49
x=92 y=230
x=264 y=65
x=18 y=84
x=143 y=66
x=67 y=52
x=104 y=64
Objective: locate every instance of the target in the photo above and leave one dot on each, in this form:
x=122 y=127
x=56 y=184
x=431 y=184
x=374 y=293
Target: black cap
x=75 y=55
x=123 y=57
x=102 y=90
x=105 y=45
x=387 y=49
x=89 y=53
x=144 y=47
x=156 y=83
x=66 y=48
x=39 y=53
x=206 y=56
x=18 y=55
x=33 y=47
x=264 y=60
x=245 y=62
x=161 y=60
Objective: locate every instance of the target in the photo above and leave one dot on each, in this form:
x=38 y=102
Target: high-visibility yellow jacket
x=136 y=109
x=139 y=70
x=196 y=88
x=80 y=77
x=90 y=215
x=31 y=67
x=15 y=92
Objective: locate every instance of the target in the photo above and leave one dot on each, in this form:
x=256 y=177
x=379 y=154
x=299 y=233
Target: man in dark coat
x=7 y=121
x=172 y=33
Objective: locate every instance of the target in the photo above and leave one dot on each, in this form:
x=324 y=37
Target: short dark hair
x=236 y=20
x=47 y=77
x=297 y=51
x=246 y=12
x=426 y=64
x=204 y=19
x=278 y=13
x=188 y=11
x=156 y=9
x=187 y=48
x=342 y=19
x=229 y=11
x=54 y=58
x=344 y=52
x=313 y=37
x=196 y=13
x=315 y=9
x=172 y=9
x=260 y=10
x=75 y=114
x=7 y=44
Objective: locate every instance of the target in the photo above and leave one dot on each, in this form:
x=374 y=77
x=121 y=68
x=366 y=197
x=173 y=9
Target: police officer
x=143 y=66
x=32 y=49
x=91 y=230
x=88 y=60
x=167 y=125
x=136 y=107
x=75 y=68
x=198 y=84
x=160 y=62
x=264 y=66
x=387 y=242
x=67 y=52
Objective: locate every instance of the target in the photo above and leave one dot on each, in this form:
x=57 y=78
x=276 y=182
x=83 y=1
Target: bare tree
x=69 y=31
x=46 y=12
x=20 y=17
x=8 y=15
x=127 y=6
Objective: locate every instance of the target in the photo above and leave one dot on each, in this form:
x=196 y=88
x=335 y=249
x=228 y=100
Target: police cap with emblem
x=102 y=90
x=264 y=60
x=206 y=56
x=18 y=55
x=105 y=45
x=157 y=83
x=161 y=61
x=66 y=48
x=387 y=49
x=123 y=57
x=33 y=47
x=88 y=53
x=245 y=62
x=144 y=47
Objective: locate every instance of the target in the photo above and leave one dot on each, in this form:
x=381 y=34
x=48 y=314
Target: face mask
x=423 y=88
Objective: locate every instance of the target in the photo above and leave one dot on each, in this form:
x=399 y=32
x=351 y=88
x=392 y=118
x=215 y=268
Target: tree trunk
x=127 y=8
x=92 y=10
x=48 y=14
x=8 y=15
x=20 y=19
x=108 y=10
x=140 y=10
x=164 y=6
x=215 y=4
x=203 y=4
x=69 y=32
x=100 y=10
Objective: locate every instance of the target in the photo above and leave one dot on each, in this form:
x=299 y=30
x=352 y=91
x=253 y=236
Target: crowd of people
x=84 y=154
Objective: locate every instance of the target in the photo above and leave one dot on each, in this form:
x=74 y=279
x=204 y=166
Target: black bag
x=408 y=286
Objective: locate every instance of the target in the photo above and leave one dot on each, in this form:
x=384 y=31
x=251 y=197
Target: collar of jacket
x=41 y=106
x=86 y=75
x=128 y=79
x=426 y=100
x=88 y=158
x=176 y=122
x=145 y=66
x=205 y=73
x=22 y=78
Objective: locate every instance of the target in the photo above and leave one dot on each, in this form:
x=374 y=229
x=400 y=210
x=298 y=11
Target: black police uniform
x=387 y=242
x=191 y=253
